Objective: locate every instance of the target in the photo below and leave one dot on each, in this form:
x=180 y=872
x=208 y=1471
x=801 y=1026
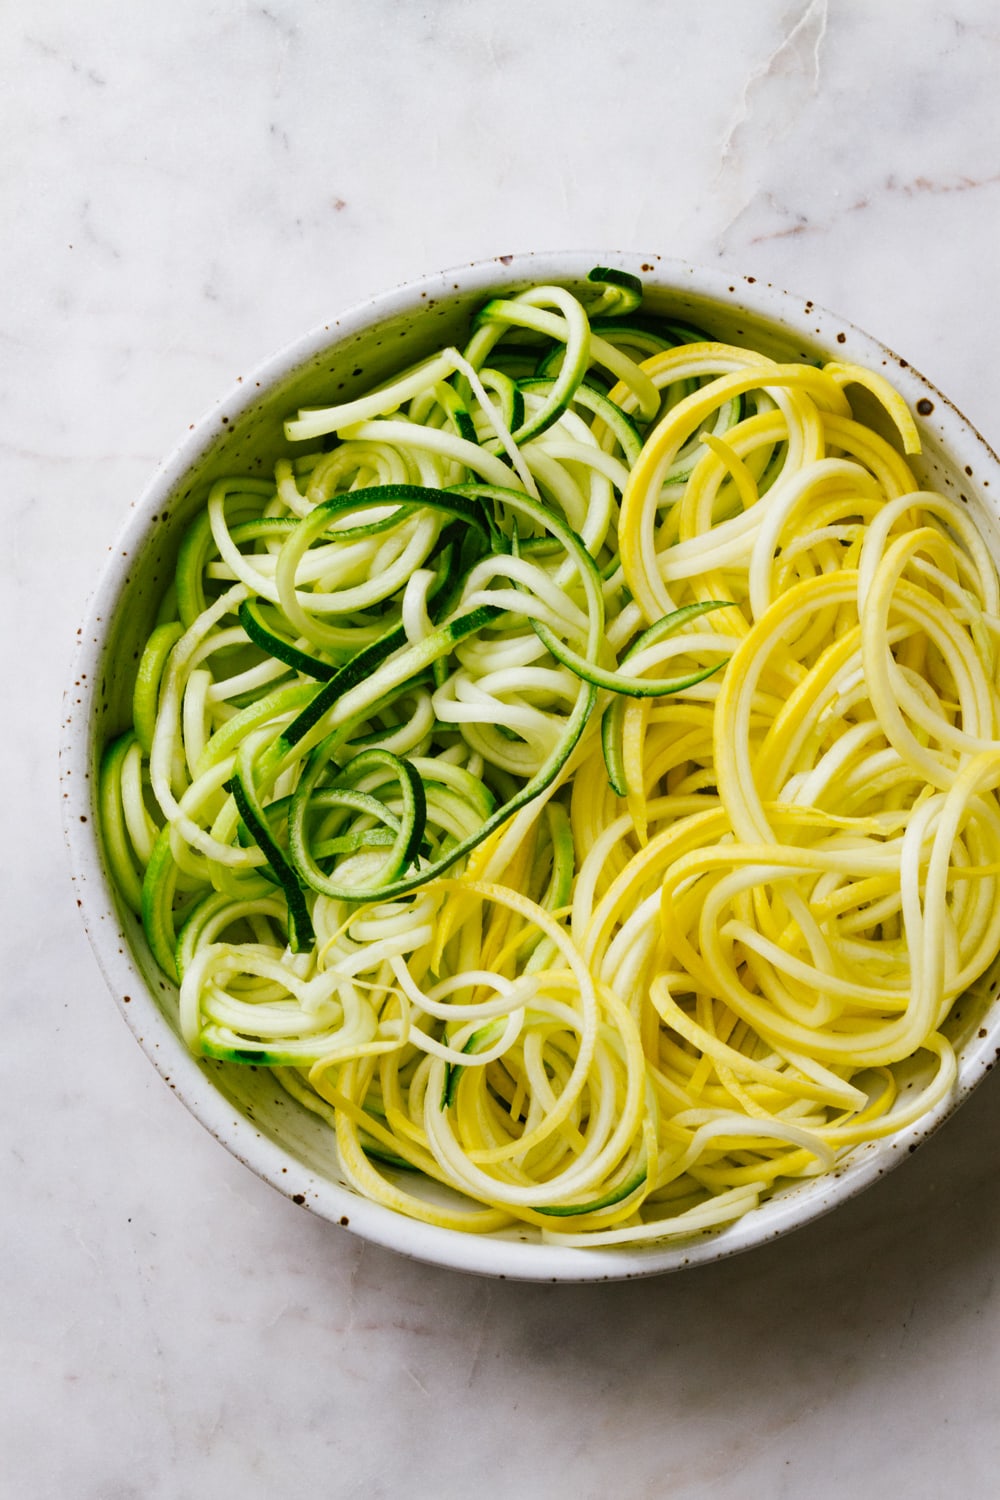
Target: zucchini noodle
x=578 y=779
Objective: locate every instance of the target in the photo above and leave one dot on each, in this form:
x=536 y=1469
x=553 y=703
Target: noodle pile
x=579 y=782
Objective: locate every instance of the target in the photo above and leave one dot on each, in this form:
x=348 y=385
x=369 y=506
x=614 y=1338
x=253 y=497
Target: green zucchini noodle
x=576 y=774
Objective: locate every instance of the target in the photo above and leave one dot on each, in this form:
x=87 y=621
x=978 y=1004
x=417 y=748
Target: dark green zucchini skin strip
x=411 y=496
x=409 y=832
x=364 y=665
x=462 y=509
x=596 y=400
x=279 y=647
x=543 y=778
x=411 y=787
x=613 y=716
x=618 y=681
x=406 y=499
x=348 y=676
x=631 y=1184
x=453 y=1071
x=301 y=934
x=629 y=289
x=611 y=748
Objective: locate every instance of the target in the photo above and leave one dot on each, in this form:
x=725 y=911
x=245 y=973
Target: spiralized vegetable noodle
x=575 y=774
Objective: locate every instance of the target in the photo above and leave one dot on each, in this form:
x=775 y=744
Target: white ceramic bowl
x=242 y=1107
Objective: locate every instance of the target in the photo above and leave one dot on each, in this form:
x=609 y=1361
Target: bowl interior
x=244 y=1106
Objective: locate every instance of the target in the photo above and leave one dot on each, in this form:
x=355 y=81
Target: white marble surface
x=184 y=187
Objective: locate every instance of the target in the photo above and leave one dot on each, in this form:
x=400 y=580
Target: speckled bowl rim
x=801 y=319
